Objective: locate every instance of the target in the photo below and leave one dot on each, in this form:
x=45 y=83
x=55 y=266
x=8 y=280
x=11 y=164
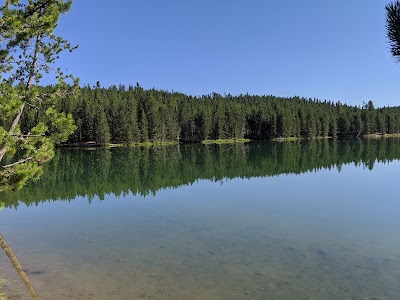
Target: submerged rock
x=322 y=252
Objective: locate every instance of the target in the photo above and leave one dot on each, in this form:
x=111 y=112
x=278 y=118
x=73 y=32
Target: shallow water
x=323 y=234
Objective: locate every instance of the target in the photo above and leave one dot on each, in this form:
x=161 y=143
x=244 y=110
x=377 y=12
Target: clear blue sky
x=335 y=50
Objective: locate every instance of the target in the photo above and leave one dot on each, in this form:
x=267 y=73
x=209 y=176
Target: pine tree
x=393 y=27
x=102 y=131
x=144 y=128
x=27 y=38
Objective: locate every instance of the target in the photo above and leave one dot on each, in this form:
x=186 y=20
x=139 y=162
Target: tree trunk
x=14 y=124
x=18 y=268
x=17 y=116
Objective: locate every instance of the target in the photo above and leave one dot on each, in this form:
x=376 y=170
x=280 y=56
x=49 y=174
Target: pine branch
x=18 y=162
x=393 y=27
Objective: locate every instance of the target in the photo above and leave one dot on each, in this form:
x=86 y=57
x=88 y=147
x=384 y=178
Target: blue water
x=324 y=234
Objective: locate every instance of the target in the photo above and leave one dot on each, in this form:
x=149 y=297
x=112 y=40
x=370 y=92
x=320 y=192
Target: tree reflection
x=144 y=171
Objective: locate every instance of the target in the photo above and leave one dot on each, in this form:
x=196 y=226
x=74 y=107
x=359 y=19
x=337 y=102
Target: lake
x=296 y=220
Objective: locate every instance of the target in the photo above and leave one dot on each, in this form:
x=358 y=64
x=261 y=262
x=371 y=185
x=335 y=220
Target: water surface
x=303 y=220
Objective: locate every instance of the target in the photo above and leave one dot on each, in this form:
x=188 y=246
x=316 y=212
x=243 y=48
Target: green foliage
x=61 y=125
x=133 y=115
x=393 y=27
x=102 y=131
x=28 y=49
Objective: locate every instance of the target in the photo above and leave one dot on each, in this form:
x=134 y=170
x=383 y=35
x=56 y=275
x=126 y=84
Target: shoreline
x=379 y=135
x=225 y=141
x=93 y=145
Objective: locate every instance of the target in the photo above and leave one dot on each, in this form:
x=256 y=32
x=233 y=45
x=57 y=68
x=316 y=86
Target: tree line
x=29 y=48
x=135 y=115
x=145 y=170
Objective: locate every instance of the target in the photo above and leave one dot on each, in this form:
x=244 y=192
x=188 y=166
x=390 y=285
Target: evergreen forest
x=123 y=115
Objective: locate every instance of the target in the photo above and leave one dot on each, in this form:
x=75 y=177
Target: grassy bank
x=229 y=141
x=378 y=135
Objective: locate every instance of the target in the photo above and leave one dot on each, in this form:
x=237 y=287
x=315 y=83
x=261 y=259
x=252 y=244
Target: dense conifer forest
x=146 y=170
x=134 y=115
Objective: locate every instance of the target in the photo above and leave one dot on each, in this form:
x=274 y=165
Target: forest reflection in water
x=145 y=170
x=298 y=220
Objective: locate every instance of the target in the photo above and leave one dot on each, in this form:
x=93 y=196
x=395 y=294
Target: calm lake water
x=309 y=220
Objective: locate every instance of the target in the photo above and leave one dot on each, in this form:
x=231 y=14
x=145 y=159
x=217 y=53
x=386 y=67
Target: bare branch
x=28 y=135
x=18 y=162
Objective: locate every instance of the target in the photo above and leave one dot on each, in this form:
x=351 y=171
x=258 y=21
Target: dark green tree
x=393 y=27
x=102 y=131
